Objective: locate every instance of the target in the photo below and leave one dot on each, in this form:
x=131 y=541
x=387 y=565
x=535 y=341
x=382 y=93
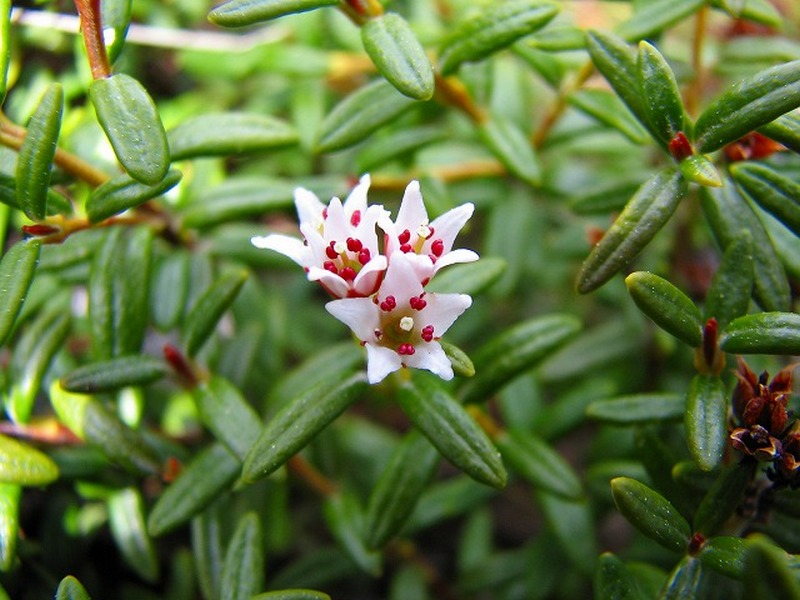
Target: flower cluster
x=379 y=288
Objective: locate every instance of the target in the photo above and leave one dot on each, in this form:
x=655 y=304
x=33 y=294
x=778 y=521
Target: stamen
x=329 y=266
x=330 y=251
x=417 y=302
x=427 y=333
x=364 y=256
x=406 y=248
x=324 y=213
x=355 y=218
x=424 y=231
x=405 y=349
x=378 y=334
x=437 y=247
x=404 y=237
x=340 y=248
x=354 y=245
x=406 y=323
x=388 y=303
x=348 y=274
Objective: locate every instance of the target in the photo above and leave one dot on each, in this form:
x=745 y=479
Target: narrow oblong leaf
x=115 y=374
x=35 y=160
x=235 y=199
x=223 y=134
x=225 y=412
x=608 y=109
x=206 y=312
x=16 y=274
x=651 y=513
x=699 y=169
x=454 y=433
x=571 y=520
x=211 y=472
x=496 y=27
x=5 y=53
x=10 y=495
x=469 y=278
x=748 y=105
x=240 y=13
x=662 y=99
x=207 y=549
x=126 y=518
x=71 y=589
x=510 y=145
x=776 y=193
x=767 y=573
x=345 y=520
x=638 y=408
x=656 y=16
x=21 y=464
x=123 y=192
x=514 y=351
x=724 y=497
x=398 y=55
x=243 y=569
x=763 y=333
x=297 y=423
x=644 y=215
x=407 y=141
x=115 y=15
x=170 y=289
x=684 y=581
x=785 y=129
x=361 y=113
x=667 y=306
x=297 y=594
x=129 y=117
x=724 y=554
x=706 y=420
x=613 y=581
x=539 y=464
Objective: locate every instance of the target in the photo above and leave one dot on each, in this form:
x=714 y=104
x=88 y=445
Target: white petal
x=357 y=199
x=442 y=310
x=337 y=225
x=309 y=207
x=401 y=279
x=462 y=255
x=359 y=314
x=336 y=286
x=380 y=362
x=286 y=245
x=431 y=357
x=447 y=226
x=411 y=213
x=367 y=279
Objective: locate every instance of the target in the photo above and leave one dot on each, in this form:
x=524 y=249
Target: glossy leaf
x=644 y=215
x=129 y=117
x=684 y=581
x=36 y=155
x=123 y=192
x=748 y=105
x=398 y=55
x=608 y=109
x=169 y=290
x=515 y=351
x=651 y=513
x=699 y=169
x=345 y=519
x=243 y=569
x=461 y=363
x=292 y=595
x=115 y=374
x=21 y=464
x=763 y=333
x=492 y=29
x=115 y=15
x=656 y=16
x=570 y=520
x=453 y=432
x=732 y=285
x=297 y=423
x=16 y=273
x=361 y=113
x=612 y=581
x=706 y=420
x=667 y=306
x=209 y=308
x=237 y=199
x=10 y=495
x=729 y=216
x=71 y=589
x=5 y=50
x=662 y=100
x=224 y=134
x=226 y=413
x=776 y=193
x=724 y=554
x=384 y=149
x=126 y=518
x=767 y=573
x=469 y=278
x=510 y=145
x=240 y=13
x=725 y=496
x=638 y=408
x=785 y=129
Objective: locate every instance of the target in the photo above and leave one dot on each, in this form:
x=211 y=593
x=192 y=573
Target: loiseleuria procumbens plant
x=379 y=289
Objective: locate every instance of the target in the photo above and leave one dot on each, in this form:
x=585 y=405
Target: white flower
x=432 y=242
x=400 y=326
x=340 y=245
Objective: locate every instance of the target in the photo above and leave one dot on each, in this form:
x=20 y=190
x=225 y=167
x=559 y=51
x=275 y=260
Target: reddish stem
x=92 y=29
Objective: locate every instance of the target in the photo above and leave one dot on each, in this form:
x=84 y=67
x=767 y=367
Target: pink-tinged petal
x=365 y=231
x=462 y=255
x=337 y=225
x=335 y=285
x=447 y=226
x=401 y=279
x=316 y=243
x=431 y=357
x=359 y=314
x=380 y=362
x=309 y=207
x=442 y=310
x=357 y=199
x=368 y=278
x=286 y=245
x=411 y=213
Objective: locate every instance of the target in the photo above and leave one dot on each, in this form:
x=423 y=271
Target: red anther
x=388 y=303
x=427 y=333
x=39 y=229
x=405 y=349
x=406 y=248
x=680 y=148
x=348 y=273
x=364 y=256
x=330 y=252
x=431 y=231
x=417 y=302
x=180 y=364
x=324 y=213
x=354 y=245
x=404 y=237
x=355 y=218
x=329 y=266
x=437 y=247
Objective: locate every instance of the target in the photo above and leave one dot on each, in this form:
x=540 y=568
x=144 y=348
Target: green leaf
x=170 y=289
x=495 y=27
x=729 y=294
x=603 y=197
x=298 y=422
x=240 y=13
x=396 y=144
x=613 y=581
x=361 y=113
x=571 y=520
x=608 y=109
x=559 y=38
x=763 y=333
x=462 y=364
x=10 y=495
x=123 y=192
x=292 y=595
x=748 y=105
x=126 y=518
x=393 y=498
x=638 y=408
x=5 y=49
x=71 y=589
x=684 y=581
x=129 y=117
x=724 y=497
x=243 y=569
x=469 y=278
x=644 y=215
x=115 y=374
x=730 y=216
x=785 y=129
x=115 y=15
x=211 y=472
x=656 y=16
x=759 y=11
x=699 y=169
x=777 y=194
x=705 y=421
x=514 y=351
x=16 y=274
x=767 y=574
x=345 y=519
x=228 y=415
x=667 y=306
x=453 y=432
x=651 y=513
x=724 y=554
x=35 y=160
x=398 y=55
x=511 y=147
x=539 y=464
x=209 y=308
x=235 y=199
x=662 y=100
x=20 y=464
x=223 y=134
